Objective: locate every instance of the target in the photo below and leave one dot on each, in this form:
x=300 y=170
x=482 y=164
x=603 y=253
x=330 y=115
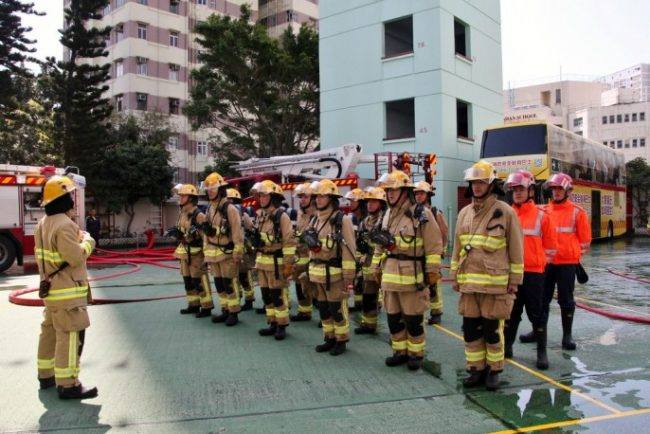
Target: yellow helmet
x=375 y=193
x=213 y=181
x=423 y=186
x=395 y=179
x=185 y=189
x=233 y=193
x=355 y=194
x=266 y=187
x=325 y=187
x=56 y=187
x=481 y=171
x=303 y=189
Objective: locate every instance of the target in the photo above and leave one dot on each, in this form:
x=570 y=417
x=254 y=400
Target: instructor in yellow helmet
x=61 y=251
x=487 y=265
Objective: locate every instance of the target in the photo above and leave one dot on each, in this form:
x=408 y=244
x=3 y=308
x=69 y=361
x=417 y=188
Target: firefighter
x=244 y=282
x=276 y=248
x=412 y=244
x=190 y=252
x=304 y=288
x=423 y=194
x=332 y=265
x=540 y=245
x=61 y=250
x=573 y=240
x=376 y=205
x=358 y=212
x=223 y=246
x=486 y=268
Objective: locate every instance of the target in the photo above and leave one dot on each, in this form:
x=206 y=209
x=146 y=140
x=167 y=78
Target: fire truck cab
x=20 y=195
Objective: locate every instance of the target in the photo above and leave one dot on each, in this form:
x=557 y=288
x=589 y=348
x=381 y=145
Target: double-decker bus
x=598 y=172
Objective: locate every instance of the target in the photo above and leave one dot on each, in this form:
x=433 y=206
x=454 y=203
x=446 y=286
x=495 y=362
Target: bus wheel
x=610 y=230
x=7 y=253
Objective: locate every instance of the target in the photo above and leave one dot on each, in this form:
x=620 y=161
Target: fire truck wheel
x=7 y=253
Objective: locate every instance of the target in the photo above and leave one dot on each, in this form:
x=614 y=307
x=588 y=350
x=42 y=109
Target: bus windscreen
x=516 y=140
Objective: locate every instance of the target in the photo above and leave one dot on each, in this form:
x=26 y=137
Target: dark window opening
x=400 y=119
x=398 y=37
x=461 y=38
x=463 y=118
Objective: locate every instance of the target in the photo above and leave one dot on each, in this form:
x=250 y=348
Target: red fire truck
x=20 y=195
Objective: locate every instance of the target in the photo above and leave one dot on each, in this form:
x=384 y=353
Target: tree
x=260 y=93
x=135 y=165
x=638 y=180
x=77 y=84
x=15 y=49
x=26 y=133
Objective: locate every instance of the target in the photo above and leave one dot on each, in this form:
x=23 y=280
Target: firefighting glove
x=432 y=278
x=207 y=229
x=287 y=270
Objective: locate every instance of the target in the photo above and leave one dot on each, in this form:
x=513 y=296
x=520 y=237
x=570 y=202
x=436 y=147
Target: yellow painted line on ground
x=564 y=423
x=542 y=376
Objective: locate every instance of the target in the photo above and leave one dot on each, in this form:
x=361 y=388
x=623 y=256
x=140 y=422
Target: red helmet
x=520 y=177
x=560 y=180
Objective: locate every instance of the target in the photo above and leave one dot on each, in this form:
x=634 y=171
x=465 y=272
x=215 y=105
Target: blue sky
x=540 y=38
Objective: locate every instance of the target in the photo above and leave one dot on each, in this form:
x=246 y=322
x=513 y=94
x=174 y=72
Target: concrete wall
x=356 y=81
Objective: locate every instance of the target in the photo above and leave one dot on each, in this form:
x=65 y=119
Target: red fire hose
x=628 y=275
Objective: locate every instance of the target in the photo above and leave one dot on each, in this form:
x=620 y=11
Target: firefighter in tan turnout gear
x=423 y=194
x=358 y=211
x=276 y=248
x=190 y=252
x=244 y=282
x=487 y=265
x=408 y=254
x=223 y=247
x=61 y=250
x=332 y=266
x=304 y=288
x=376 y=206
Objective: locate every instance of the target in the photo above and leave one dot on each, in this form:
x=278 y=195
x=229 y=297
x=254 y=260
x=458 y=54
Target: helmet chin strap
x=306 y=207
x=489 y=190
x=329 y=202
x=399 y=198
x=564 y=199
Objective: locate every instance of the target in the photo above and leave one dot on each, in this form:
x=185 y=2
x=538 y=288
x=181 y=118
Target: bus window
x=520 y=140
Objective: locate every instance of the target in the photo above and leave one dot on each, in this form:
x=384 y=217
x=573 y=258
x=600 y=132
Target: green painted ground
x=160 y=372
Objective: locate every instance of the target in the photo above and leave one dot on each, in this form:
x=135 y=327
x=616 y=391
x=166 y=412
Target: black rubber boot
x=414 y=363
x=492 y=381
x=326 y=346
x=260 y=311
x=365 y=330
x=396 y=359
x=204 y=313
x=339 y=348
x=46 y=383
x=76 y=392
x=475 y=378
x=435 y=318
x=300 y=316
x=509 y=335
x=248 y=305
x=220 y=318
x=527 y=338
x=567 y=325
x=281 y=333
x=190 y=309
x=269 y=331
x=542 y=358
x=320 y=324
x=232 y=319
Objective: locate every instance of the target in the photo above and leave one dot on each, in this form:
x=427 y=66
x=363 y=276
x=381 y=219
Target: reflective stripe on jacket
x=540 y=236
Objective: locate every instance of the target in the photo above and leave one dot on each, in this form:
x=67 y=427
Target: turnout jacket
x=488 y=248
x=226 y=219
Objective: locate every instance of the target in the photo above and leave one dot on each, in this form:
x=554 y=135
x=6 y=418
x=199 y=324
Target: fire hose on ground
x=157 y=257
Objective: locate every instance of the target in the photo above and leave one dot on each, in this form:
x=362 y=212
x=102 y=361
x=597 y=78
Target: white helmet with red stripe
x=521 y=177
x=561 y=180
